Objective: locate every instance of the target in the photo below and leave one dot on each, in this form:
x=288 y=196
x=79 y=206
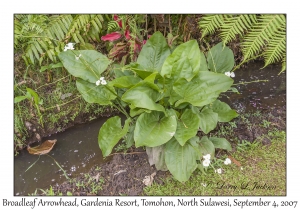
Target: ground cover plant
x=170 y=96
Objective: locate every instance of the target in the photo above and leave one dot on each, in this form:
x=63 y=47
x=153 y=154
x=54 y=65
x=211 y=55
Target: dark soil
x=124 y=173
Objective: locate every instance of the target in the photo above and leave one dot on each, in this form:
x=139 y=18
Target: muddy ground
x=124 y=173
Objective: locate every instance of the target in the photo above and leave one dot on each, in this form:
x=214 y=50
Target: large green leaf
x=154 y=129
x=220 y=59
x=125 y=81
x=181 y=160
x=95 y=94
x=203 y=63
x=187 y=126
x=221 y=143
x=143 y=95
x=184 y=62
x=156 y=156
x=110 y=133
x=154 y=52
x=206 y=147
x=203 y=89
x=225 y=113
x=88 y=66
x=208 y=120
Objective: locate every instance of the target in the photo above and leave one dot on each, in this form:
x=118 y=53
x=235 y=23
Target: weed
x=245 y=145
x=266 y=124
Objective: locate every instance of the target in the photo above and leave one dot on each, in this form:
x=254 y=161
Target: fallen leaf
x=234 y=161
x=42 y=149
x=148 y=180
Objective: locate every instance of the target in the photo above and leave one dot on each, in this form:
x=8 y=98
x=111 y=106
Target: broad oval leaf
x=181 y=160
x=208 y=120
x=225 y=113
x=154 y=129
x=203 y=89
x=143 y=95
x=184 y=62
x=42 y=149
x=206 y=147
x=156 y=156
x=220 y=59
x=88 y=66
x=95 y=94
x=125 y=81
x=221 y=143
x=187 y=126
x=110 y=133
x=154 y=52
x=203 y=63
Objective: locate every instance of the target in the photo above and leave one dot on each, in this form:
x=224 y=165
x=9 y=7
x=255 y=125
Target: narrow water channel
x=77 y=148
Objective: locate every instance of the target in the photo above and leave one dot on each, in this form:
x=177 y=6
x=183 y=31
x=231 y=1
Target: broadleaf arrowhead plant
x=170 y=97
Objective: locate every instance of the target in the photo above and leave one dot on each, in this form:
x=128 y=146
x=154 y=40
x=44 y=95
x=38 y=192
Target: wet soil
x=124 y=173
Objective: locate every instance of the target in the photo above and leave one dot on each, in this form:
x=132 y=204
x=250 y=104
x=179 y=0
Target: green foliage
x=42 y=37
x=210 y=23
x=169 y=95
x=265 y=34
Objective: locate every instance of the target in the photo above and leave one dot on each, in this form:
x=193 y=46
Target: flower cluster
x=69 y=46
x=206 y=160
x=219 y=171
x=227 y=161
x=230 y=74
x=101 y=81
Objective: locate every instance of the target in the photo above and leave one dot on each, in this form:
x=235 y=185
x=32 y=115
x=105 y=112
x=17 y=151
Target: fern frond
x=210 y=23
x=235 y=25
x=59 y=26
x=283 y=66
x=262 y=32
x=112 y=25
x=276 y=49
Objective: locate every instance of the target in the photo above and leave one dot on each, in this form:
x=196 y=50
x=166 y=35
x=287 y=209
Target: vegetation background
x=7 y=110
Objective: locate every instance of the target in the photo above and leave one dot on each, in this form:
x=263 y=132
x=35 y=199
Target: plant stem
x=238 y=66
x=243 y=83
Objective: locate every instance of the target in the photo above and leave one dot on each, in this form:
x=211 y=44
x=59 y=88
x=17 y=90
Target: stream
x=77 y=148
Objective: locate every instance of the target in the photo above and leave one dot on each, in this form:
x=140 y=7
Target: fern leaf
x=210 y=23
x=235 y=25
x=263 y=31
x=276 y=49
x=283 y=66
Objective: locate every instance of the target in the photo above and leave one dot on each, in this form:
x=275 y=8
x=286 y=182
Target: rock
x=38 y=136
x=28 y=125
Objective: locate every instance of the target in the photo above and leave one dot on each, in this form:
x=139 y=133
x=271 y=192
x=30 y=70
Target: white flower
x=102 y=78
x=78 y=56
x=219 y=171
x=203 y=184
x=103 y=82
x=227 y=161
x=69 y=46
x=229 y=74
x=206 y=157
x=98 y=83
x=206 y=162
x=242 y=168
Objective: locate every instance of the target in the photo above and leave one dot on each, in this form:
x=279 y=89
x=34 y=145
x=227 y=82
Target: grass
x=262 y=173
